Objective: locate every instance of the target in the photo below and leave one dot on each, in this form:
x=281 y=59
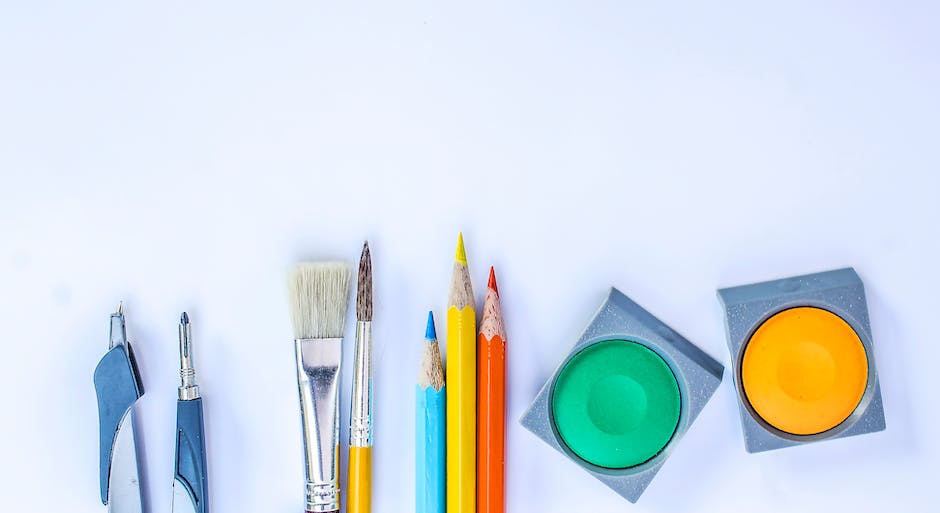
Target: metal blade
x=182 y=500
x=124 y=479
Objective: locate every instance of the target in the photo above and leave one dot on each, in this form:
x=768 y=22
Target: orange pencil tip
x=492 y=282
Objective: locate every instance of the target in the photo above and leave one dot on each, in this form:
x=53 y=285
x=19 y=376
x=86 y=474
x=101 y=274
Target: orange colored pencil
x=491 y=403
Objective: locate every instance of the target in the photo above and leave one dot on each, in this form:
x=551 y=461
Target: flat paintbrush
x=319 y=296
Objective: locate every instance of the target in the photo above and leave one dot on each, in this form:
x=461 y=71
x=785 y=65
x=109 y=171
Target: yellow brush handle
x=360 y=480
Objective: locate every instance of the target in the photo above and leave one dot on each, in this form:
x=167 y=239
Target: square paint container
x=803 y=360
x=623 y=397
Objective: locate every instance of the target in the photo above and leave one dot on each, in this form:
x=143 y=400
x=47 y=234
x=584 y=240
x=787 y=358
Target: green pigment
x=616 y=404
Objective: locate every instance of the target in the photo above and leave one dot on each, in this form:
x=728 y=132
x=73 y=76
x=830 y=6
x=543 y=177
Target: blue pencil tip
x=430 y=333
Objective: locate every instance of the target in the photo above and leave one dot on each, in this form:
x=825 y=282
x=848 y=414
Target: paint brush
x=491 y=427
x=430 y=415
x=461 y=389
x=318 y=297
x=190 y=483
x=359 y=479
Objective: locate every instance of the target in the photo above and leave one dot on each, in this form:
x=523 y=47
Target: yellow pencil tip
x=461 y=252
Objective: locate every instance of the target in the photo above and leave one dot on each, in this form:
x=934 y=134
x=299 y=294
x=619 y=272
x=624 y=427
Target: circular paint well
x=804 y=370
x=615 y=404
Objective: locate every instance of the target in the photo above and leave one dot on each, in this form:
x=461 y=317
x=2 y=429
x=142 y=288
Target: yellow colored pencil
x=461 y=389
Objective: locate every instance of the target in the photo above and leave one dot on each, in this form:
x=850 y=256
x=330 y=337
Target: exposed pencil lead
x=430 y=333
x=184 y=319
x=364 y=289
x=120 y=310
x=461 y=252
x=492 y=281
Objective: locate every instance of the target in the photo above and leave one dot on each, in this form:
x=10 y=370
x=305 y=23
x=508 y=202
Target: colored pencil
x=461 y=389
x=491 y=427
x=430 y=414
x=359 y=478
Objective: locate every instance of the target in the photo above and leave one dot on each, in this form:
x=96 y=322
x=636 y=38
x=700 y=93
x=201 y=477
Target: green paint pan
x=624 y=395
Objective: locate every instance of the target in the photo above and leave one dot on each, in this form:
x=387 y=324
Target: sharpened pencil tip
x=461 y=252
x=184 y=319
x=430 y=333
x=120 y=310
x=492 y=281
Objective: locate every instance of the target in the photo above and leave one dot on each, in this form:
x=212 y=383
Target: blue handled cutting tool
x=190 y=485
x=118 y=386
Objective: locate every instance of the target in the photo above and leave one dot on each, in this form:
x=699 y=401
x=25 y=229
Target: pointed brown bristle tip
x=364 y=289
x=492 y=281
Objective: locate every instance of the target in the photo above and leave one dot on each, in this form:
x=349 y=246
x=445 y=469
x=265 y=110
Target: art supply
x=118 y=386
x=461 y=389
x=624 y=396
x=191 y=482
x=359 y=479
x=430 y=428
x=803 y=359
x=319 y=296
x=491 y=428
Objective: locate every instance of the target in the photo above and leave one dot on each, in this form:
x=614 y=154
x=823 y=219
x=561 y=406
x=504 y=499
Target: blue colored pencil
x=430 y=425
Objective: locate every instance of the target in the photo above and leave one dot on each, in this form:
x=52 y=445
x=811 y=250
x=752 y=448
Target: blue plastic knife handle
x=191 y=452
x=118 y=387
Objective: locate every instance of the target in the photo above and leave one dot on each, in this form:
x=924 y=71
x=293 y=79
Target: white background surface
x=183 y=155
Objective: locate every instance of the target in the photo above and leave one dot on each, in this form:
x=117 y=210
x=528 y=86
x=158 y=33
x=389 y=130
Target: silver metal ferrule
x=360 y=416
x=188 y=389
x=318 y=363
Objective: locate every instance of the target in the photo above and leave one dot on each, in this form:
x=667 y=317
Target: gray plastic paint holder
x=748 y=306
x=698 y=375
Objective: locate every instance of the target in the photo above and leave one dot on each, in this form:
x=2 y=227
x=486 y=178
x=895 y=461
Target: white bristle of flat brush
x=319 y=296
